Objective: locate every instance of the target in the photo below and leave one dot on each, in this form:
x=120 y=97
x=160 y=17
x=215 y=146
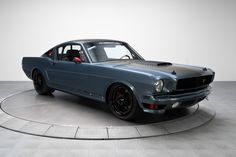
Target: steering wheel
x=125 y=56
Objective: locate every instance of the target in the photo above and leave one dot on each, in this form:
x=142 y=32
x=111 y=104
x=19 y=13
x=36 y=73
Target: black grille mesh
x=194 y=82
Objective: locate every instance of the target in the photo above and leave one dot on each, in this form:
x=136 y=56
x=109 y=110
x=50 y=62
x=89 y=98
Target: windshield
x=108 y=51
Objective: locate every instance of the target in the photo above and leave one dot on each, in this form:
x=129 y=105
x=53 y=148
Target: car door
x=67 y=75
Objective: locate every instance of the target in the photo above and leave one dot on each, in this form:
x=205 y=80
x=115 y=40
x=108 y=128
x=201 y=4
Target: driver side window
x=69 y=52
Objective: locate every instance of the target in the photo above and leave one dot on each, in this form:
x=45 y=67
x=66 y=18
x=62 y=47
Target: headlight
x=159 y=85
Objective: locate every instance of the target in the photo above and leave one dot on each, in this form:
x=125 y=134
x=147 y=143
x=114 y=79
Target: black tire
x=40 y=84
x=123 y=103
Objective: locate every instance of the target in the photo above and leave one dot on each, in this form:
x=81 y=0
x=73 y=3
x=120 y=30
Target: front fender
x=138 y=89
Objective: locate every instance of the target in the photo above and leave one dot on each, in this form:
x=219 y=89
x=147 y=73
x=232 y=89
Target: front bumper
x=183 y=100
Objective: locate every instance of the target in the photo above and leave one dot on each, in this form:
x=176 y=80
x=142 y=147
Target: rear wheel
x=123 y=103
x=40 y=84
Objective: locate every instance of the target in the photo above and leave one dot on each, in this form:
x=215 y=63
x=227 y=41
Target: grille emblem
x=203 y=80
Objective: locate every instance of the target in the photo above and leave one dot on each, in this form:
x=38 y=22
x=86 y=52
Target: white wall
x=198 y=32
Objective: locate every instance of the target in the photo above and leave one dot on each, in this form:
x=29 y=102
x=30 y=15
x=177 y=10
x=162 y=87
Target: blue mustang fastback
x=113 y=72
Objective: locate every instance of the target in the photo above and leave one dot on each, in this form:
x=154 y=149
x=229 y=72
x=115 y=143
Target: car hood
x=158 y=69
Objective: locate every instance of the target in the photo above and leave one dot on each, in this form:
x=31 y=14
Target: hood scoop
x=154 y=63
x=204 y=69
x=173 y=72
x=163 y=64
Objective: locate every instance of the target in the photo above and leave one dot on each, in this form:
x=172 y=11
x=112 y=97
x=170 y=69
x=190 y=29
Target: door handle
x=52 y=63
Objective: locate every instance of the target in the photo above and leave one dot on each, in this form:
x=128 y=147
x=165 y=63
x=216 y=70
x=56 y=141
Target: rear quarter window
x=49 y=54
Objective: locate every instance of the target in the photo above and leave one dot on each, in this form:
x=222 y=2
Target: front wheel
x=40 y=84
x=123 y=103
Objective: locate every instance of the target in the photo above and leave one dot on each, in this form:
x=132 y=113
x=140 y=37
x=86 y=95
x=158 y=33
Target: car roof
x=82 y=41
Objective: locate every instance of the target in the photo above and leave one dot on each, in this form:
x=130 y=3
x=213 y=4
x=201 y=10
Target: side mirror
x=77 y=60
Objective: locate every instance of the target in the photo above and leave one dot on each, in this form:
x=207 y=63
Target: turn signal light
x=152 y=106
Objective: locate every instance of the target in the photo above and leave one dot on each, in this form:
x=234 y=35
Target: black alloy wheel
x=40 y=84
x=123 y=103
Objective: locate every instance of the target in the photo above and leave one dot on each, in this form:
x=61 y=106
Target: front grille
x=194 y=82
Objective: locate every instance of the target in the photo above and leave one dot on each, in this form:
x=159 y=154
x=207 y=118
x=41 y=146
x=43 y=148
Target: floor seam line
x=165 y=129
x=76 y=131
x=107 y=133
x=138 y=132
x=2 y=124
x=47 y=129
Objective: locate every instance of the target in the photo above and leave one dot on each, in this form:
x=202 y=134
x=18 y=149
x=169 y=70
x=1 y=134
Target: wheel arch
x=41 y=71
x=33 y=70
x=127 y=84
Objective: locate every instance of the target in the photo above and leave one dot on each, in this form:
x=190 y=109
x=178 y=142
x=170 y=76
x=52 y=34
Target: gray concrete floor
x=217 y=138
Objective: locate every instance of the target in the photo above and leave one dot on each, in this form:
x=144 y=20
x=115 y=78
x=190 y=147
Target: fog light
x=176 y=104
